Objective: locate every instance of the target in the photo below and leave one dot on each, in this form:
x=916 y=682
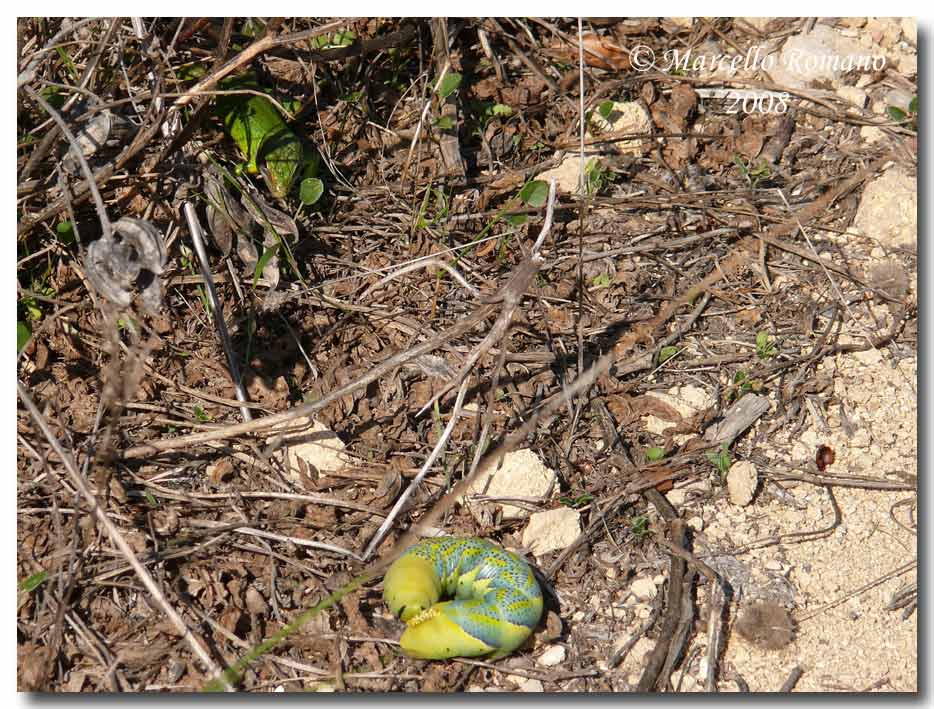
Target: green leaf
x=721 y=458
x=352 y=96
x=33 y=582
x=202 y=415
x=896 y=114
x=23 y=333
x=534 y=193
x=192 y=71
x=585 y=498
x=913 y=106
x=66 y=232
x=449 y=84
x=666 y=353
x=309 y=192
x=312 y=166
x=654 y=453
x=268 y=253
x=639 y=525
x=764 y=346
x=445 y=123
x=517 y=219
x=54 y=96
x=605 y=109
x=501 y=109
x=602 y=280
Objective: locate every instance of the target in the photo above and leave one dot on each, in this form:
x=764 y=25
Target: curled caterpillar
x=497 y=601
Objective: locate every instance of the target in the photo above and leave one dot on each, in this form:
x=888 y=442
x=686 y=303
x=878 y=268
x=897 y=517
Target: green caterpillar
x=497 y=601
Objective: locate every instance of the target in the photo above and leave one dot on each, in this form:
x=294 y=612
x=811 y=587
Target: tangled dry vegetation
x=676 y=348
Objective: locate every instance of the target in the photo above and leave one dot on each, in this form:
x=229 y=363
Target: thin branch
x=436 y=451
x=194 y=227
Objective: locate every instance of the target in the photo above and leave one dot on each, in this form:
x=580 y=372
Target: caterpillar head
x=411 y=586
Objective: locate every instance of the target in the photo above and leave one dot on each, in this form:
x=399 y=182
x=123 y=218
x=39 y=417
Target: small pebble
x=552 y=656
x=644 y=588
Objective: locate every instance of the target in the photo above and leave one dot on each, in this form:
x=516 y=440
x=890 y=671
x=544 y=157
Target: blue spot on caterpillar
x=497 y=601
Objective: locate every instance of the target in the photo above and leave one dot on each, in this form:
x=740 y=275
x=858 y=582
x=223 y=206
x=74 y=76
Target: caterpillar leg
x=432 y=635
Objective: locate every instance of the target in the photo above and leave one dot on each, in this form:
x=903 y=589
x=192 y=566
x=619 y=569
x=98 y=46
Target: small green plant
x=596 y=177
x=666 y=353
x=639 y=526
x=444 y=123
x=439 y=213
x=23 y=333
x=341 y=38
x=310 y=190
x=601 y=281
x=67 y=61
x=39 y=286
x=186 y=256
x=579 y=500
x=765 y=348
x=449 y=84
x=202 y=415
x=65 y=232
x=654 y=453
x=54 y=96
x=33 y=582
x=742 y=383
x=754 y=175
x=910 y=116
x=128 y=324
x=352 y=97
x=268 y=253
x=720 y=458
x=534 y=193
x=605 y=109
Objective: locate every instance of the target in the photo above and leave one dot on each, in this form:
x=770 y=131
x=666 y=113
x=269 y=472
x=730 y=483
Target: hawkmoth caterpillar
x=497 y=601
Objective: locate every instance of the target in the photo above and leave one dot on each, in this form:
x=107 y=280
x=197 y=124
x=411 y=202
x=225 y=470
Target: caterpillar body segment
x=497 y=601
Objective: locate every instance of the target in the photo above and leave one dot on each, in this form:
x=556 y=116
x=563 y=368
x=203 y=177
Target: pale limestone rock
x=676 y=496
x=820 y=56
x=552 y=656
x=741 y=482
x=644 y=588
x=567 y=174
x=908 y=64
x=686 y=400
x=625 y=117
x=854 y=95
x=888 y=210
x=551 y=530
x=527 y=685
x=684 y=23
x=312 y=444
x=522 y=475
